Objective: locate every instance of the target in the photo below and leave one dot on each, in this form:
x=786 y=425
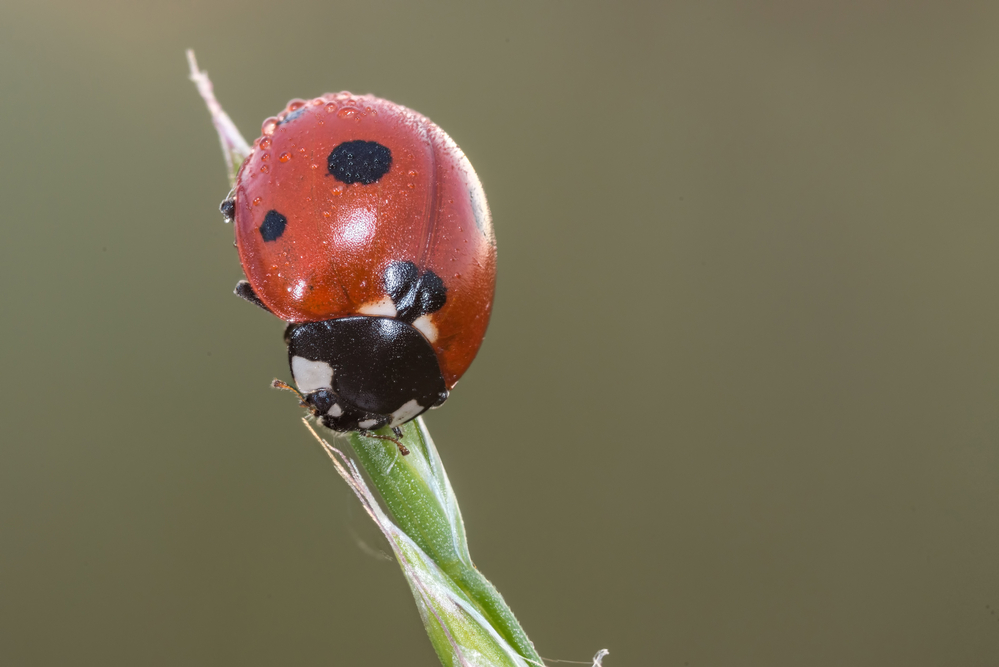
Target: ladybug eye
x=359 y=162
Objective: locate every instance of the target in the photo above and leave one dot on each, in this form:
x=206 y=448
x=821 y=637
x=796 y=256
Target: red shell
x=428 y=208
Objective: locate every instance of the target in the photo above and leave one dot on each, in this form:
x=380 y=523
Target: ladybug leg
x=228 y=208
x=402 y=448
x=245 y=292
x=397 y=431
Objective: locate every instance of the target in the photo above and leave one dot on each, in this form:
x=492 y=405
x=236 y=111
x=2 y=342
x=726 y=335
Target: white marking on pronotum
x=335 y=410
x=367 y=423
x=406 y=412
x=425 y=326
x=383 y=308
x=311 y=375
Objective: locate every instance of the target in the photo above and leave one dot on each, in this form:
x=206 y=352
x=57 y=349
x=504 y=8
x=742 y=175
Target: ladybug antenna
x=278 y=384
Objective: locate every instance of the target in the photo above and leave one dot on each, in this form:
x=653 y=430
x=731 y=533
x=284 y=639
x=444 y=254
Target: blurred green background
x=737 y=405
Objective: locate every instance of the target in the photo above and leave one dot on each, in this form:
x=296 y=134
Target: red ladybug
x=363 y=225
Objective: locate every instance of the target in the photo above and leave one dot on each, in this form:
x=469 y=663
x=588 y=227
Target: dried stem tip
x=234 y=146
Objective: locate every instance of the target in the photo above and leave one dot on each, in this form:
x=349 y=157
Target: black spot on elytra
x=273 y=225
x=359 y=161
x=414 y=294
x=228 y=208
x=399 y=279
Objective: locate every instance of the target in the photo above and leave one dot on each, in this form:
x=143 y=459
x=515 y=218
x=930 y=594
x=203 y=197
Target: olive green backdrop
x=737 y=405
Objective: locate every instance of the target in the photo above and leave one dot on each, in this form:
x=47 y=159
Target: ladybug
x=363 y=225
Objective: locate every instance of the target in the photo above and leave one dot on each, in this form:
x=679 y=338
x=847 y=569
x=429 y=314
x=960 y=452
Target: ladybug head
x=363 y=373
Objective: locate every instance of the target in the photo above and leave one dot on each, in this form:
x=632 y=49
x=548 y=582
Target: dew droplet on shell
x=267 y=129
x=285 y=156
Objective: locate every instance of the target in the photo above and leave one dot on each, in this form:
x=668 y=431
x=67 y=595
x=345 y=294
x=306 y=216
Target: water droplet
x=256 y=201
x=267 y=129
x=346 y=112
x=296 y=104
x=265 y=157
x=264 y=169
x=412 y=173
x=317 y=102
x=326 y=214
x=285 y=156
x=331 y=107
x=265 y=143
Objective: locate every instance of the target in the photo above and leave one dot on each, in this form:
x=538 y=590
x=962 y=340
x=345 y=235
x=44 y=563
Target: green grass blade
x=460 y=632
x=419 y=495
